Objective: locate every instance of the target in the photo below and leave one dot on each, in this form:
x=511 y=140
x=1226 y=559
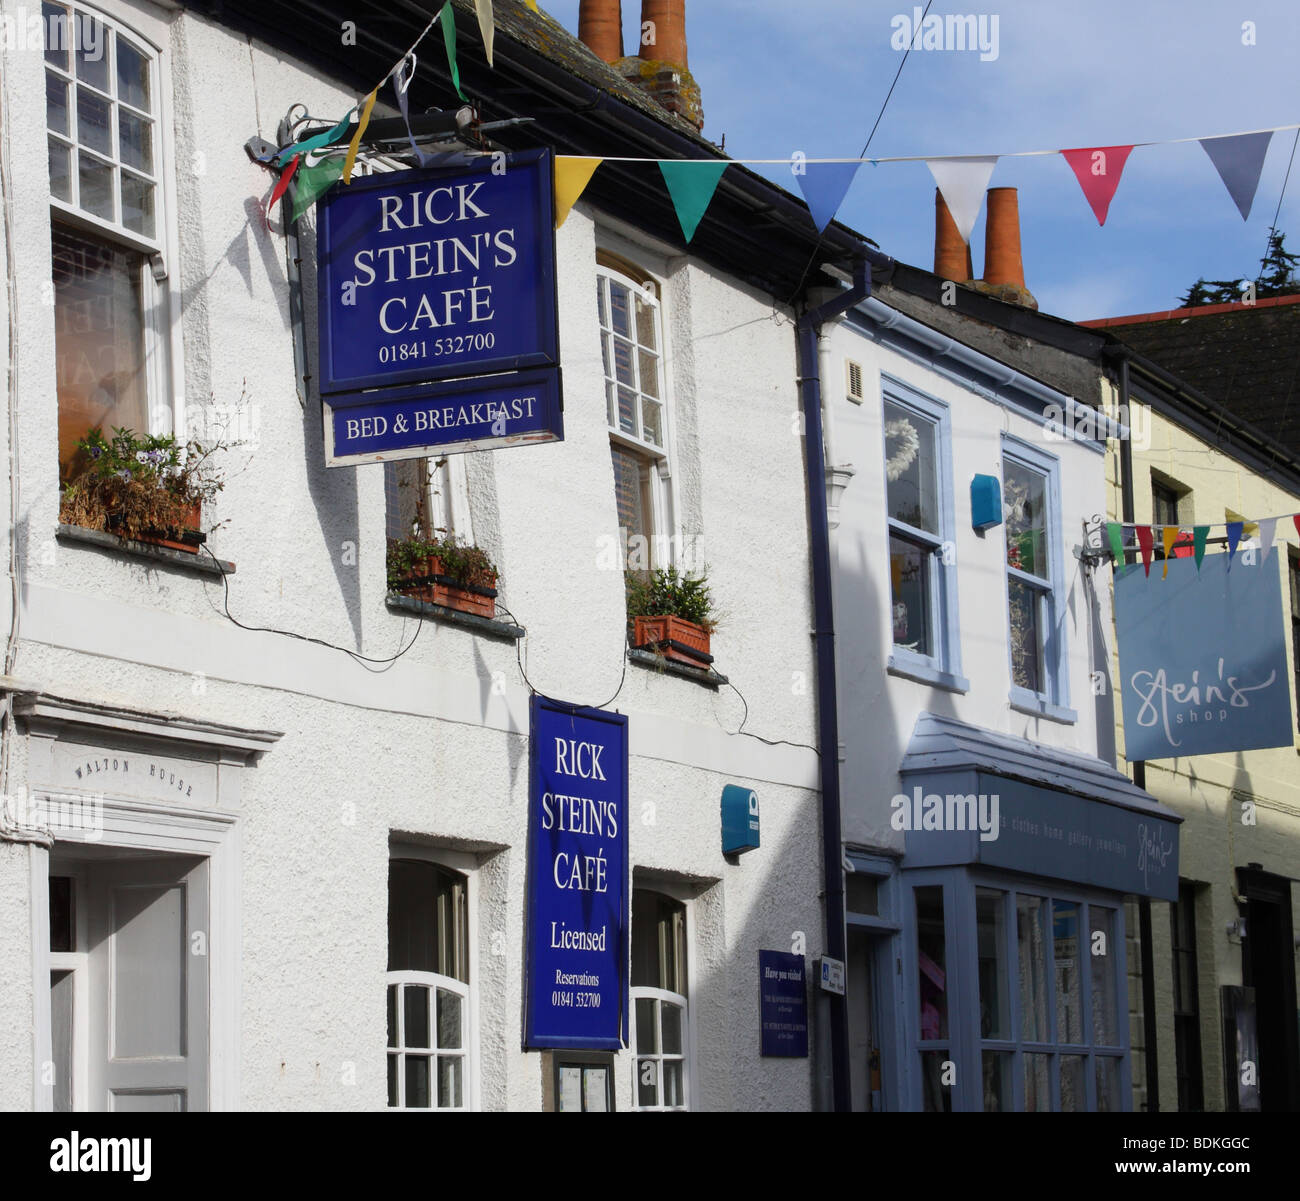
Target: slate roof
x=1244 y=357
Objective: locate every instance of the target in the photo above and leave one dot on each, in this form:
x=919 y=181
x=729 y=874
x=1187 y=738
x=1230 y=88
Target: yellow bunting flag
x=572 y=175
x=351 y=160
x=486 y=25
x=1169 y=537
x=531 y=4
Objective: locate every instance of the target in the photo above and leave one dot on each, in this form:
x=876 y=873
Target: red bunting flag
x=282 y=184
x=1296 y=519
x=1098 y=169
x=1145 y=541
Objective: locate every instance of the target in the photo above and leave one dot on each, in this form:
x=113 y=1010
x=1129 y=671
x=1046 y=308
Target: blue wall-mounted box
x=739 y=820
x=985 y=502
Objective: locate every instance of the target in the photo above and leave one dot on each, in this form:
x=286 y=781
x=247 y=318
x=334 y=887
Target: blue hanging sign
x=434 y=275
x=1202 y=658
x=578 y=877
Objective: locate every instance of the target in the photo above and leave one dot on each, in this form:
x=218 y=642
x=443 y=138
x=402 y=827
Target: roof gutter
x=810 y=394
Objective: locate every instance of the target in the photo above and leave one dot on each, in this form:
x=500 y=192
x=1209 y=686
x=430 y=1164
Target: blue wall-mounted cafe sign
x=436 y=275
x=577 y=879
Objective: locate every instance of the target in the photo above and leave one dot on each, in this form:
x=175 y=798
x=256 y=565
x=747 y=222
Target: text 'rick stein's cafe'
x=516 y=612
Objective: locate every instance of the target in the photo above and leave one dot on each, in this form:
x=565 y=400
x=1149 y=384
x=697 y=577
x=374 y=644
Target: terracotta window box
x=429 y=583
x=674 y=638
x=187 y=537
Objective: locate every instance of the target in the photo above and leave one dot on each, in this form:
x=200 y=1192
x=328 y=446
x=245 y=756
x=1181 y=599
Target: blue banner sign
x=783 y=1004
x=578 y=875
x=1202 y=658
x=439 y=273
x=457 y=415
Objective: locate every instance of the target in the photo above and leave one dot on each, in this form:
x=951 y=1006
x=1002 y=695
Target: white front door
x=147 y=926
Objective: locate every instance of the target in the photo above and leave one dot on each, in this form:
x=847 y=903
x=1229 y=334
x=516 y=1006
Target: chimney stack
x=1004 y=271
x=659 y=68
x=951 y=255
x=600 y=28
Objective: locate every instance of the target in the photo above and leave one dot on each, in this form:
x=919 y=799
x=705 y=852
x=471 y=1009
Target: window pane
x=647 y=1031
x=63 y=922
x=1031 y=957
x=601 y=307
x=620 y=309
x=674 y=1091
x=57 y=30
x=417 y=1082
x=135 y=140
x=1074 y=1093
x=94 y=121
x=997 y=1081
x=62 y=1035
x=91 y=51
x=392 y=1015
x=649 y=367
x=1024 y=508
x=137 y=204
x=415 y=1010
x=630 y=493
x=672 y=1029
x=1105 y=1028
x=393 y=1066
x=1107 y=1084
x=936 y=1095
x=909 y=574
x=990 y=933
x=1025 y=635
x=60 y=171
x=911 y=473
x=426 y=919
x=647 y=1082
x=645 y=325
x=99 y=340
x=132 y=75
x=623 y=363
x=450 y=1081
x=96 y=181
x=56 y=103
x=1069 y=973
x=653 y=416
x=627 y=411
x=449 y=1024
x=610 y=406
x=1038 y=1086
x=931 y=959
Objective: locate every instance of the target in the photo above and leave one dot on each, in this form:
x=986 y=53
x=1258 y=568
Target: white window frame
x=657 y=472
x=684 y=898
x=446 y=496
x=78 y=963
x=466 y=866
x=143 y=24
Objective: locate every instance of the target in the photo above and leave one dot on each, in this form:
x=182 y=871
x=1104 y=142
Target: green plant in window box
x=147 y=488
x=672 y=614
x=442 y=571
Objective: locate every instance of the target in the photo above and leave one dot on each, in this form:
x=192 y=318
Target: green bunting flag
x=449 y=37
x=691 y=184
x=1200 y=535
x=313 y=182
x=1115 y=532
x=319 y=141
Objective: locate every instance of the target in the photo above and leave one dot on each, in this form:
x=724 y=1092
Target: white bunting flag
x=962 y=182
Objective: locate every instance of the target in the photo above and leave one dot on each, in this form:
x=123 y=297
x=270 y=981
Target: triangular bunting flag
x=1145 y=541
x=354 y=145
x=1168 y=538
x=531 y=4
x=1234 y=536
x=282 y=184
x=318 y=141
x=963 y=182
x=314 y=182
x=1115 y=532
x=1098 y=169
x=1200 y=535
x=1239 y=160
x=824 y=186
x=449 y=39
x=487 y=26
x=1267 y=528
x=691 y=184
x=572 y=175
x=1296 y=519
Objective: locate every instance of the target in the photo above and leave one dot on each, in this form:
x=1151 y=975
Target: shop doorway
x=129 y=981
x=1268 y=966
x=865 y=1075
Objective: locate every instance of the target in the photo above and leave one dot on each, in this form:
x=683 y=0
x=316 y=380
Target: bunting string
x=1183 y=541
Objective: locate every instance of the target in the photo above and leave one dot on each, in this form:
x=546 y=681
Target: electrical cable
x=743 y=733
x=360 y=658
x=1278 y=211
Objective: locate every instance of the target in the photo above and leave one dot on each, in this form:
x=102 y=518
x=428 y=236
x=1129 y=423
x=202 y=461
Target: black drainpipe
x=810 y=394
x=1139 y=777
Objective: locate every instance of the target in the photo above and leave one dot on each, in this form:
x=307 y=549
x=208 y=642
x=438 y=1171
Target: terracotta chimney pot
x=1002 y=261
x=669 y=18
x=951 y=255
x=600 y=28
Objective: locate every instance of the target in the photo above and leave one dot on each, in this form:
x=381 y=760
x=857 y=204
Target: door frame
x=160 y=829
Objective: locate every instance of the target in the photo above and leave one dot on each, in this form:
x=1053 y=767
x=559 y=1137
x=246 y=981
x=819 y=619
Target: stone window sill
x=200 y=564
x=657 y=663
x=489 y=627
x=1024 y=701
x=920 y=672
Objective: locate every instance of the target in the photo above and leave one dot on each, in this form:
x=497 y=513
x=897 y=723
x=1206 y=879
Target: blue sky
x=784 y=75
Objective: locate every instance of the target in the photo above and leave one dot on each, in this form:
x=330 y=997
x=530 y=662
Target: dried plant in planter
x=443 y=572
x=147 y=488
